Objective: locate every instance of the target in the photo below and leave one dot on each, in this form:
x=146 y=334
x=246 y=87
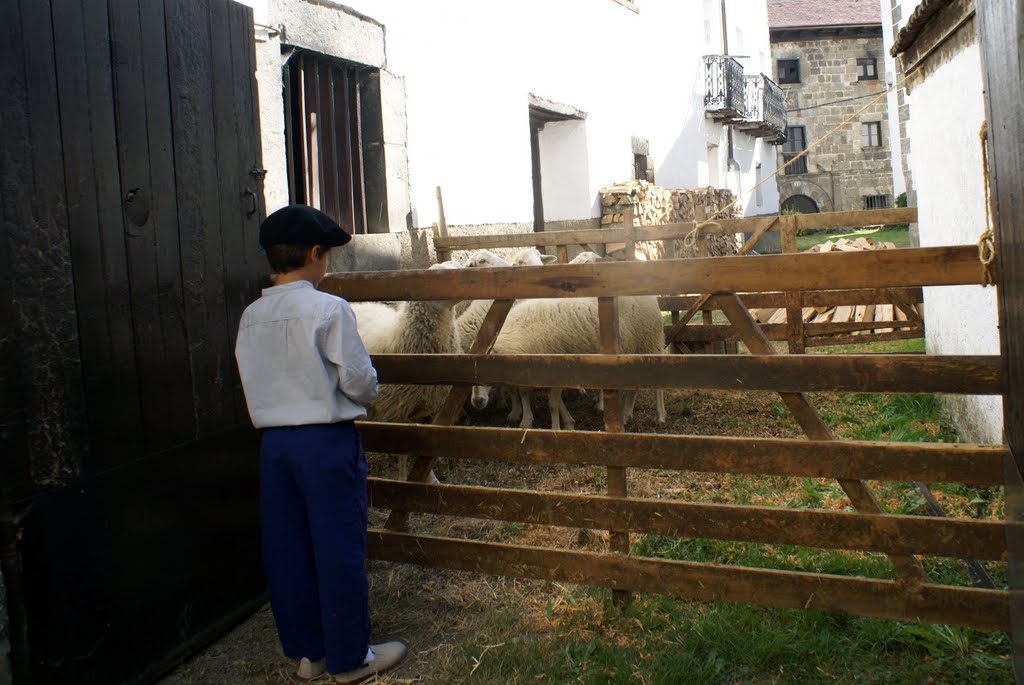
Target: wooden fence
x=912 y=596
x=904 y=304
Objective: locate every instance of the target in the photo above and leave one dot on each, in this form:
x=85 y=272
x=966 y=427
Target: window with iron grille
x=867 y=69
x=789 y=71
x=796 y=142
x=334 y=138
x=871 y=134
x=876 y=202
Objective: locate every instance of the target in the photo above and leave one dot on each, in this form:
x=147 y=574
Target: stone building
x=830 y=60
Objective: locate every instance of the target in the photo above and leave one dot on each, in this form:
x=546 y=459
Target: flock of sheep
x=536 y=326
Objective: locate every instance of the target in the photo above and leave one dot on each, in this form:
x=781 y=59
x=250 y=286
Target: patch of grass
x=898 y=236
x=900 y=418
x=663 y=640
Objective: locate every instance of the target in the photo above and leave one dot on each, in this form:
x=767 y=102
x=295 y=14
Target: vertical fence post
x=608 y=315
x=630 y=227
x=563 y=254
x=787 y=233
x=795 y=321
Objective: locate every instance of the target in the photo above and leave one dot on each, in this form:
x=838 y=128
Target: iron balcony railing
x=723 y=88
x=765 y=108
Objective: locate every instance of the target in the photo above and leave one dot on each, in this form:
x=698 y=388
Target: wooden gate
x=132 y=196
x=912 y=596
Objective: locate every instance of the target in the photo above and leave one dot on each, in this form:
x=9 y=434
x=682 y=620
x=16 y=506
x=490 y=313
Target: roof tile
x=809 y=13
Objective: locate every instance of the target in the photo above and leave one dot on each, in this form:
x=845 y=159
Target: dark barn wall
x=1001 y=34
x=128 y=139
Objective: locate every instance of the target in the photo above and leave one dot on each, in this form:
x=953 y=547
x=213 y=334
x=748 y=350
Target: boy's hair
x=285 y=258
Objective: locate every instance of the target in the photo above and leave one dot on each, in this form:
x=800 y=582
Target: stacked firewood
x=655 y=206
x=887 y=312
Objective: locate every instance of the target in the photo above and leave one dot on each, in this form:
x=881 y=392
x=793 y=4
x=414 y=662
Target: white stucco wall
x=469 y=68
x=947 y=109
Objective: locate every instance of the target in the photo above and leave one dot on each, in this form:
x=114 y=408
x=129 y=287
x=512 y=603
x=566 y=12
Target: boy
x=306 y=377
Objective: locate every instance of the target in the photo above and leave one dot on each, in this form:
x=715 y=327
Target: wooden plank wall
x=851 y=463
x=1000 y=30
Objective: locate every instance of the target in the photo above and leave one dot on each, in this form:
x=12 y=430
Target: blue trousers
x=313 y=516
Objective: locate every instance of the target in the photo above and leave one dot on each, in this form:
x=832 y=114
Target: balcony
x=723 y=88
x=765 y=105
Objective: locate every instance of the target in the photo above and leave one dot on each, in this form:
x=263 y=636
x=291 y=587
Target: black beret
x=301 y=225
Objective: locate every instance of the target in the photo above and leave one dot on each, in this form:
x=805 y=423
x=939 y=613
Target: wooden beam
x=780 y=331
x=771 y=525
x=805 y=413
x=930 y=462
x=912 y=373
x=608 y=321
x=675 y=231
x=811 y=298
x=982 y=609
x=875 y=268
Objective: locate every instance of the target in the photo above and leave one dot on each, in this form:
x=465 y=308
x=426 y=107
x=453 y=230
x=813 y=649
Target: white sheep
x=571 y=326
x=414 y=327
x=533 y=257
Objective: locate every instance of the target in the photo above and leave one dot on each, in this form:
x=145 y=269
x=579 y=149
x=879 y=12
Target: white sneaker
x=308 y=670
x=387 y=656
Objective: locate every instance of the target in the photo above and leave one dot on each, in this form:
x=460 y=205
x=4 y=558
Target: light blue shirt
x=301 y=359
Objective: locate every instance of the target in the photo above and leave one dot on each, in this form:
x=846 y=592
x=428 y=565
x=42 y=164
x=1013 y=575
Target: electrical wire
x=834 y=102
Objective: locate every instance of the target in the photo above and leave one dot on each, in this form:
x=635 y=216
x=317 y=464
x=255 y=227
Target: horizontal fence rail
x=902 y=373
x=825 y=529
x=937 y=463
x=984 y=609
x=872 y=269
x=675 y=231
x=811 y=298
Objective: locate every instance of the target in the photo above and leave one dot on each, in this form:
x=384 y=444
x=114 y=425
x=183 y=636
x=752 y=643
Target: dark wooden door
x=1001 y=34
x=132 y=196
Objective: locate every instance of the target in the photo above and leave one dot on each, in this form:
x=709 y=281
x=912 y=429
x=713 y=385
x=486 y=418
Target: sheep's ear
x=548 y=258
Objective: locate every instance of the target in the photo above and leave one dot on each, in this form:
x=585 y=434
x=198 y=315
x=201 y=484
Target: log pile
x=888 y=312
x=655 y=206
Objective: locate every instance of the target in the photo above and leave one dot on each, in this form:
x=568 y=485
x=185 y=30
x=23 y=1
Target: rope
x=690 y=240
x=986 y=242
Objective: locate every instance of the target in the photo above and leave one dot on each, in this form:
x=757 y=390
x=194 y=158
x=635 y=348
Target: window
x=789 y=71
x=796 y=142
x=876 y=201
x=871 y=134
x=757 y=184
x=334 y=140
x=643 y=170
x=867 y=69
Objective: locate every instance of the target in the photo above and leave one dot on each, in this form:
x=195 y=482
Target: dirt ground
x=438 y=611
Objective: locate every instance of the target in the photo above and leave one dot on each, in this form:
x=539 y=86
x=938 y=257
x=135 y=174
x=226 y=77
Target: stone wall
x=653 y=205
x=841 y=172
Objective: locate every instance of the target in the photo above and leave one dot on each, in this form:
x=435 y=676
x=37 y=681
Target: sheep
x=641 y=326
x=593 y=257
x=414 y=327
x=571 y=326
x=533 y=257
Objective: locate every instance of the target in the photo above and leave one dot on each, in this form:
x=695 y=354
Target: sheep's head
x=533 y=257
x=451 y=264
x=586 y=258
x=486 y=258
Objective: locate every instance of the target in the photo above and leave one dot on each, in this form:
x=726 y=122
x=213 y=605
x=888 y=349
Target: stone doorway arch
x=801 y=204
